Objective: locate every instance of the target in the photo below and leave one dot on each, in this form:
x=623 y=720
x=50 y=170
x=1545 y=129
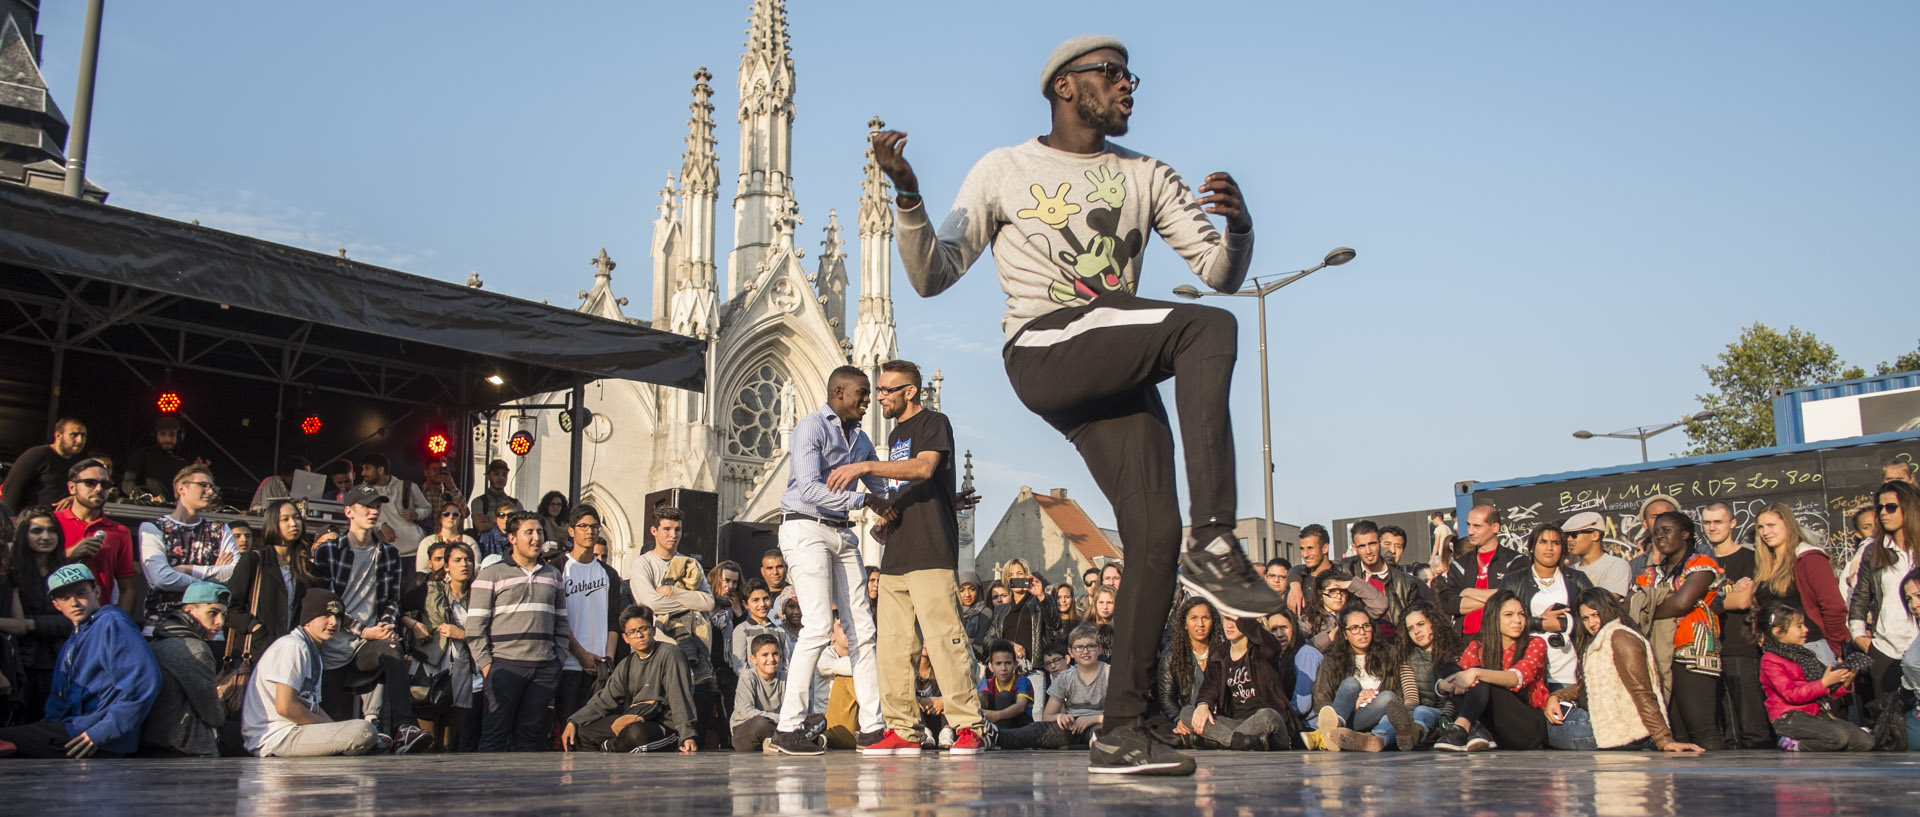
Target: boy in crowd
x=1078 y=697
x=756 y=702
x=282 y=716
x=365 y=573
x=647 y=703
x=103 y=685
x=517 y=631
x=593 y=602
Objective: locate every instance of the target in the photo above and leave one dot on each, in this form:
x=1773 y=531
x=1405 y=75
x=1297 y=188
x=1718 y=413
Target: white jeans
x=826 y=571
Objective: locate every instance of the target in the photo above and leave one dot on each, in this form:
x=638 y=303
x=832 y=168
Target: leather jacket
x=1402 y=588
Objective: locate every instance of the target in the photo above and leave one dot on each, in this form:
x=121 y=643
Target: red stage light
x=168 y=403
x=311 y=425
x=520 y=443
x=437 y=443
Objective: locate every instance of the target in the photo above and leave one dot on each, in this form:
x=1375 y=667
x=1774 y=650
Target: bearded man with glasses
x=1067 y=215
x=103 y=545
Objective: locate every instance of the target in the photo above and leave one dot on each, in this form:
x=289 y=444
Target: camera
x=1019 y=584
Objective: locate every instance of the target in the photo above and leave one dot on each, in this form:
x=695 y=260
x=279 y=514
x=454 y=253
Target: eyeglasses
x=884 y=391
x=91 y=483
x=204 y=486
x=1333 y=592
x=639 y=632
x=1891 y=507
x=585 y=526
x=1357 y=628
x=1113 y=71
x=1085 y=647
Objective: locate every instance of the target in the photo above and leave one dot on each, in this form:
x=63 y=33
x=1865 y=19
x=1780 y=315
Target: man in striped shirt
x=517 y=632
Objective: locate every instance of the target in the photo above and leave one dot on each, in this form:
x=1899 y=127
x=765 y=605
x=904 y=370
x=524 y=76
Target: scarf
x=1810 y=666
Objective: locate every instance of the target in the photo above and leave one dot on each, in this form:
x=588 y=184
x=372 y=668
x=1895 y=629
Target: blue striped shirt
x=822 y=442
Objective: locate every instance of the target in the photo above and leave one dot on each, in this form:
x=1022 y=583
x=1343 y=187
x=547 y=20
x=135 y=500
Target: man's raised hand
x=1220 y=196
x=889 y=147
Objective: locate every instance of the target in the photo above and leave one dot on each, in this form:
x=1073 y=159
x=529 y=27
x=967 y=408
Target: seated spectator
x=976 y=615
x=37 y=627
x=1183 y=662
x=756 y=623
x=93 y=538
x=1078 y=697
x=647 y=702
x=1500 y=692
x=104 y=681
x=1304 y=659
x=282 y=716
x=1802 y=691
x=182 y=547
x=1910 y=662
x=997 y=594
x=1053 y=661
x=1061 y=616
x=1429 y=649
x=188 y=713
x=1361 y=687
x=1615 y=705
x=1245 y=701
x=756 y=700
x=932 y=705
x=150 y=469
x=341 y=477
x=1333 y=591
x=1006 y=696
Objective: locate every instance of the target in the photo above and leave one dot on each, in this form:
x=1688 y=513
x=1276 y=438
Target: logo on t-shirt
x=902 y=449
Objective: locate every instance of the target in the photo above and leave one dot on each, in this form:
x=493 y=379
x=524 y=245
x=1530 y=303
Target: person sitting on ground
x=1429 y=649
x=756 y=701
x=1617 y=704
x=1303 y=658
x=37 y=627
x=1333 y=591
x=188 y=713
x=282 y=716
x=1801 y=690
x=1364 y=697
x=976 y=615
x=104 y=681
x=1501 y=689
x=932 y=705
x=1183 y=662
x=647 y=702
x=1077 y=700
x=1245 y=694
x=1006 y=697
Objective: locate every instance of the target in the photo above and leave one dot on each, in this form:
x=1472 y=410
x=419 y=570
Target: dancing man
x=1067 y=215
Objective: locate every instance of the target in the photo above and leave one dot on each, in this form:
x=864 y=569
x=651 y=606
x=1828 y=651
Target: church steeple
x=873 y=337
x=699 y=186
x=831 y=281
x=764 y=211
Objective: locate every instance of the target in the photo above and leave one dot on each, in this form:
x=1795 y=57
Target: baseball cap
x=1584 y=521
x=320 y=602
x=362 y=494
x=207 y=593
x=1074 y=49
x=491 y=560
x=69 y=574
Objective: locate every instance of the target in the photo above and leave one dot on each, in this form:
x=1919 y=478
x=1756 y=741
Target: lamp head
x=1702 y=417
x=1187 y=291
x=1338 y=256
x=1583 y=434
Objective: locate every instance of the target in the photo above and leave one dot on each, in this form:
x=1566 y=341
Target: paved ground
x=1000 y=784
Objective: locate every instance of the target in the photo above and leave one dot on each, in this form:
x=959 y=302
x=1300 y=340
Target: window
x=758 y=408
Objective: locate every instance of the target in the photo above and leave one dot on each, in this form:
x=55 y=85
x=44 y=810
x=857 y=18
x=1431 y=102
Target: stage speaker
x=745 y=542
x=699 y=526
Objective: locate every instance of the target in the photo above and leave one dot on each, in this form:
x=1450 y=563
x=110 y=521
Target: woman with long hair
x=268 y=582
x=1617 y=704
x=553 y=517
x=1789 y=568
x=450 y=520
x=1333 y=592
x=1678 y=591
x=444 y=645
x=1061 y=615
x=1192 y=636
x=1360 y=687
x=1302 y=657
x=1501 y=688
x=1875 y=615
x=1427 y=648
x=38 y=548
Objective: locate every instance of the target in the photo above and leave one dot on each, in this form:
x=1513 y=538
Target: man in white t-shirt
x=1586 y=555
x=282 y=716
x=594 y=600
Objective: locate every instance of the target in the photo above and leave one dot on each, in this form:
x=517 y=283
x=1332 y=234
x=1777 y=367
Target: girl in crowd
x=1334 y=590
x=1244 y=700
x=1679 y=588
x=1060 y=616
x=1100 y=615
x=444 y=646
x=1876 y=615
x=269 y=581
x=976 y=615
x=553 y=517
x=1362 y=685
x=1304 y=659
x=1500 y=692
x=1429 y=649
x=39 y=547
x=1183 y=664
x=997 y=593
x=1790 y=569
x=1801 y=689
x=451 y=516
x=1910 y=664
x=1617 y=704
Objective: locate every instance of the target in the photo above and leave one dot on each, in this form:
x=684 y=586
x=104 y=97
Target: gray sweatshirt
x=756 y=697
x=660 y=676
x=1066 y=228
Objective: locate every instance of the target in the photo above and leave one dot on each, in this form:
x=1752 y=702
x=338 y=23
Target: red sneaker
x=891 y=744
x=7 y=748
x=967 y=742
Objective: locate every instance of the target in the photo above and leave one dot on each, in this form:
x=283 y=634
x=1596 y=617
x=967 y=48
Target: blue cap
x=207 y=593
x=69 y=574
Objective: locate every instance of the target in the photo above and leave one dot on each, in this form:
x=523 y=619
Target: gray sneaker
x=1221 y=574
x=1128 y=750
x=794 y=743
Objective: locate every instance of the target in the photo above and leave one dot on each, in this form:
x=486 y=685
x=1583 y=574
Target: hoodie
x=105 y=682
x=187 y=712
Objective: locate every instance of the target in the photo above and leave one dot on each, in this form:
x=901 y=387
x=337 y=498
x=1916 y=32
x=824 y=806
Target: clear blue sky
x=1561 y=210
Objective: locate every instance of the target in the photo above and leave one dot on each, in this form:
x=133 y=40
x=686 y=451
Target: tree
x=1751 y=368
x=1908 y=362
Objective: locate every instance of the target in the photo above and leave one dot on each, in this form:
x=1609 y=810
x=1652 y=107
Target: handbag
x=233 y=684
x=432 y=687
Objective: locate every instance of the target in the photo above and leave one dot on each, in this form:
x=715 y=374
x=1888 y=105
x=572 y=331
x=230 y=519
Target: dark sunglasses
x=1113 y=71
x=91 y=483
x=450 y=515
x=1891 y=507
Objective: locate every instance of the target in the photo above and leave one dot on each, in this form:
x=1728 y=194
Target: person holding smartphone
x=1548 y=591
x=1018 y=620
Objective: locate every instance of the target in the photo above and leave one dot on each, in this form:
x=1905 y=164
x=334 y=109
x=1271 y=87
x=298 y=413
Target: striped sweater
x=517 y=614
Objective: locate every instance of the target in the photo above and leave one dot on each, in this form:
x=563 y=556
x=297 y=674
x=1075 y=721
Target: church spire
x=699 y=167
x=873 y=337
x=764 y=210
x=699 y=185
x=831 y=281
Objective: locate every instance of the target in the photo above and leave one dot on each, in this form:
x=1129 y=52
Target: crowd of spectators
x=514 y=633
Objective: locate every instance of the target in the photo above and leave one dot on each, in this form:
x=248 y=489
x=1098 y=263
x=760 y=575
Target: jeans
x=827 y=572
x=349 y=737
x=517 y=696
x=1426 y=716
x=1346 y=704
x=1823 y=733
x=1261 y=722
x=1574 y=732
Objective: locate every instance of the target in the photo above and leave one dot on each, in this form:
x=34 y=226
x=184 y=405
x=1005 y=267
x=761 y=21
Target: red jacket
x=1531 y=666
x=1820 y=595
x=1787 y=688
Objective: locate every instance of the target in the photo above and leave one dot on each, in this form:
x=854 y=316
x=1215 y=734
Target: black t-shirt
x=927 y=535
x=1734 y=638
x=39 y=477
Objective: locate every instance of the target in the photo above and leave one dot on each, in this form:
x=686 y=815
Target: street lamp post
x=1641 y=433
x=1259 y=292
